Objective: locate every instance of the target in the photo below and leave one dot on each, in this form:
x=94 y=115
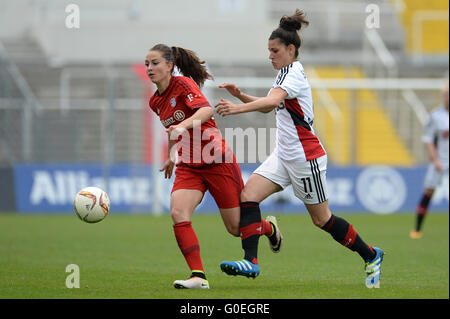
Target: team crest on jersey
x=178 y=115
x=173 y=102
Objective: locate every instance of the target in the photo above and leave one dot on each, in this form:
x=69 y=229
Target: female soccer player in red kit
x=205 y=162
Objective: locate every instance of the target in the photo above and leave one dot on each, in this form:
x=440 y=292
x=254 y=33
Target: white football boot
x=191 y=283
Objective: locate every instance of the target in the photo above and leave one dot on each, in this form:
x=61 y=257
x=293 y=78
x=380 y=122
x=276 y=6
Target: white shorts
x=433 y=178
x=308 y=179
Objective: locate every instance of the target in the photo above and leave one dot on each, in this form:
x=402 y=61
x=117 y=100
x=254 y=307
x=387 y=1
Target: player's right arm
x=433 y=156
x=171 y=157
x=429 y=133
x=236 y=92
x=170 y=162
x=264 y=105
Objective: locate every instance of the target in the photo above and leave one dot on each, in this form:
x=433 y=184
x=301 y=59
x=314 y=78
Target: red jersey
x=178 y=102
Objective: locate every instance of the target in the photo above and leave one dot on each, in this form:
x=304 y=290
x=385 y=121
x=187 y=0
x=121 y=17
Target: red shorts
x=224 y=182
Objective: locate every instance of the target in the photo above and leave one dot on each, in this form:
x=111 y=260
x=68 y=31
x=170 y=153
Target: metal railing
x=403 y=99
x=81 y=129
x=25 y=98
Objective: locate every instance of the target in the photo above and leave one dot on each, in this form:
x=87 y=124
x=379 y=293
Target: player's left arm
x=264 y=105
x=196 y=101
x=202 y=115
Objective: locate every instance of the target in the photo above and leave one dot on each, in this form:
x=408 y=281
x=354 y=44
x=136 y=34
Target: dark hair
x=287 y=30
x=186 y=60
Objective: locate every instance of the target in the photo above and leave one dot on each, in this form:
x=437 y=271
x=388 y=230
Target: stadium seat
x=435 y=33
x=377 y=141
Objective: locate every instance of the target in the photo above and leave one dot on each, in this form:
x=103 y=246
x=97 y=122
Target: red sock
x=266 y=228
x=189 y=246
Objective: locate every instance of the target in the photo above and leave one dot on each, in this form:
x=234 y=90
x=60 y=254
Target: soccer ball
x=91 y=204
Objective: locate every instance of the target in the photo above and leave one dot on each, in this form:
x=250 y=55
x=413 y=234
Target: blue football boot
x=242 y=267
x=373 y=269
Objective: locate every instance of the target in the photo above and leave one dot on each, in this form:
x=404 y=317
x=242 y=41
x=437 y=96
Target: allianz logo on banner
x=60 y=187
x=381 y=189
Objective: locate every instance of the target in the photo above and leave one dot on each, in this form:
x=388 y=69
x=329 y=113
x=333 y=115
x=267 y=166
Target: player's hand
x=225 y=107
x=168 y=168
x=438 y=165
x=231 y=88
x=174 y=131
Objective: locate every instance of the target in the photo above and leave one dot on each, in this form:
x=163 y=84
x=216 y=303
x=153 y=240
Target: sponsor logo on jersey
x=178 y=115
x=173 y=102
x=168 y=121
x=281 y=106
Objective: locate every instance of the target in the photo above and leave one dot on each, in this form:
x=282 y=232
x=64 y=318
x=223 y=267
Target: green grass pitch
x=136 y=256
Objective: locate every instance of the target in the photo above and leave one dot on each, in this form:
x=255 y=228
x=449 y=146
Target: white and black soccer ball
x=91 y=204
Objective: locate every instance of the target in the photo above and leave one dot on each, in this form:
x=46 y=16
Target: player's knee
x=318 y=221
x=233 y=230
x=179 y=215
x=429 y=192
x=247 y=196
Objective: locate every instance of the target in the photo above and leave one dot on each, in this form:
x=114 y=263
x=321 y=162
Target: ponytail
x=190 y=65
x=186 y=61
x=287 y=31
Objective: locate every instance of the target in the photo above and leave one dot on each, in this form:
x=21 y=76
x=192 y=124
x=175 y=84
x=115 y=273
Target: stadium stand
x=372 y=127
x=83 y=82
x=431 y=17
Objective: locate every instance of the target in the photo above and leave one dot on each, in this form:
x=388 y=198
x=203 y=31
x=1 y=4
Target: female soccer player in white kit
x=299 y=159
x=435 y=137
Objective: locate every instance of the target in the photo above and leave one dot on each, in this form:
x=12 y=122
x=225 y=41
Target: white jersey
x=436 y=129
x=296 y=139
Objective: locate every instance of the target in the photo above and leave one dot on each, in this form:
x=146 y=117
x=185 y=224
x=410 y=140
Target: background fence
x=79 y=96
